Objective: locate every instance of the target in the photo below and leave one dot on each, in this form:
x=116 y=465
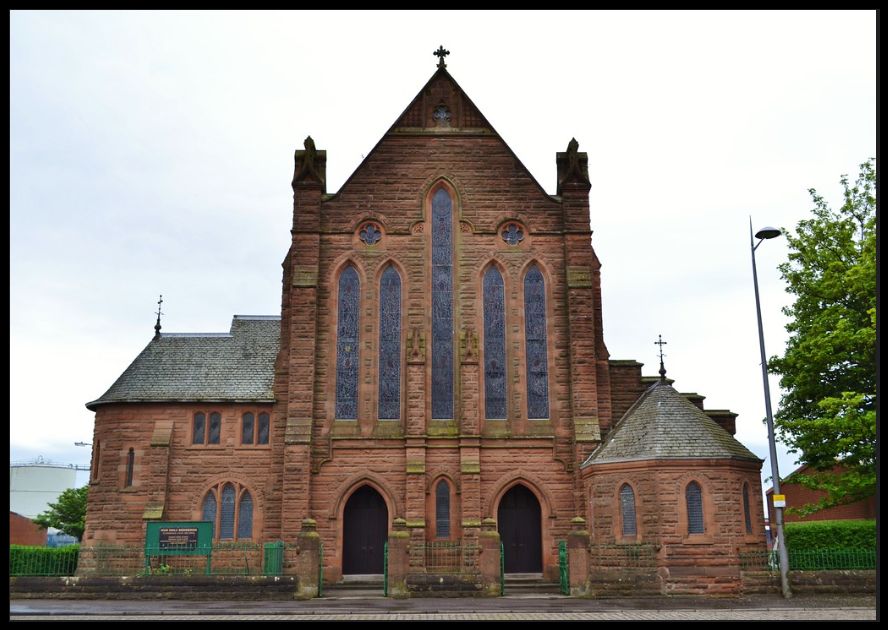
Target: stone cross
x=441 y=53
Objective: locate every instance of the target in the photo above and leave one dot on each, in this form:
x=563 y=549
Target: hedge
x=25 y=560
x=814 y=535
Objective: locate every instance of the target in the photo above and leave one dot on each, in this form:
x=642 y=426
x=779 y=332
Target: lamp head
x=768 y=232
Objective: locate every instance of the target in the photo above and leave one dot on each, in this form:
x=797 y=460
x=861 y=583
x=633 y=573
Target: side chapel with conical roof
x=438 y=368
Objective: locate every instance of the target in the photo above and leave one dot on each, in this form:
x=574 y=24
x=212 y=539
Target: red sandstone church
x=439 y=358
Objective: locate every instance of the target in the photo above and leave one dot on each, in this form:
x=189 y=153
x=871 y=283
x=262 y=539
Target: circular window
x=370 y=233
x=512 y=233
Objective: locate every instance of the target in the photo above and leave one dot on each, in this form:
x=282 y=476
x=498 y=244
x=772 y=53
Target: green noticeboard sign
x=179 y=538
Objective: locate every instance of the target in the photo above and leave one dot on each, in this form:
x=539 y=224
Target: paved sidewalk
x=769 y=607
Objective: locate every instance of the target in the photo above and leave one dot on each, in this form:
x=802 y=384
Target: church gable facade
x=438 y=361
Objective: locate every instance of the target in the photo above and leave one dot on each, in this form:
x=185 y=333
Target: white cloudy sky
x=151 y=152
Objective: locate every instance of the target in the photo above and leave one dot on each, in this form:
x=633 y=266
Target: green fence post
x=385 y=569
x=502 y=570
x=320 y=569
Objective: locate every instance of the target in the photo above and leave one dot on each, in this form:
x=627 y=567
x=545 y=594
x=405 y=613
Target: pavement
x=821 y=607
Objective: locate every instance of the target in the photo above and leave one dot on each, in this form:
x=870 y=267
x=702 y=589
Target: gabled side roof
x=237 y=366
x=663 y=424
x=418 y=118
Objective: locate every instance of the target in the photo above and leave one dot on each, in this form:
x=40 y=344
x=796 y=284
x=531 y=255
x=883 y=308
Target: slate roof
x=237 y=366
x=663 y=424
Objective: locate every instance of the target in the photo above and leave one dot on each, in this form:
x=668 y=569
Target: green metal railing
x=563 y=567
x=42 y=560
x=632 y=556
x=502 y=570
x=274 y=558
x=448 y=557
x=810 y=560
x=385 y=569
x=320 y=569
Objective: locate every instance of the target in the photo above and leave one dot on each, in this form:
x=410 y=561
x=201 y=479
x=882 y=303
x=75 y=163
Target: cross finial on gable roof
x=661 y=343
x=159 y=313
x=441 y=53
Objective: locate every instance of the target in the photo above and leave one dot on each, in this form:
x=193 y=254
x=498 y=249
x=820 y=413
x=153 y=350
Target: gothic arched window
x=347 y=345
x=226 y=522
x=245 y=516
x=535 y=341
x=627 y=510
x=130 y=464
x=694 y=498
x=390 y=344
x=494 y=345
x=209 y=508
x=442 y=305
x=235 y=515
x=442 y=510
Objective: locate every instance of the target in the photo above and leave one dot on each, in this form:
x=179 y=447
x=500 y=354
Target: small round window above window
x=370 y=233
x=512 y=233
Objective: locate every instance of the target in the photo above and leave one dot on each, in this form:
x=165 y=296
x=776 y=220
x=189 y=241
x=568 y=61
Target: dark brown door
x=364 y=533
x=519 y=527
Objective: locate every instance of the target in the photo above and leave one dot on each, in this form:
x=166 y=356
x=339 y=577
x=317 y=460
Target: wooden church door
x=519 y=523
x=365 y=530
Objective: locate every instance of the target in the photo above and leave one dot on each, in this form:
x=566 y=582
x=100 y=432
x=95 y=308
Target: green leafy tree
x=68 y=514
x=828 y=413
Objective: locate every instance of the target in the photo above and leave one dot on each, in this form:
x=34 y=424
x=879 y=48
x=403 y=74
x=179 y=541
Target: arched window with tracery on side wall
x=229 y=507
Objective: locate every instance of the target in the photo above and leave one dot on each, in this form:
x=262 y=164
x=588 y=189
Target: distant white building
x=34 y=485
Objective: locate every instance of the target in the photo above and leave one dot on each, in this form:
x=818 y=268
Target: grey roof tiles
x=663 y=424
x=237 y=366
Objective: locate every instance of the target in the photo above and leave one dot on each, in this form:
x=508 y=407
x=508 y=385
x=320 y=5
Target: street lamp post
x=783 y=557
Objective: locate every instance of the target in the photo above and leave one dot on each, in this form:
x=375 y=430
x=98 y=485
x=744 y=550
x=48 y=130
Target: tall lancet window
x=442 y=305
x=347 y=344
x=390 y=344
x=494 y=345
x=535 y=341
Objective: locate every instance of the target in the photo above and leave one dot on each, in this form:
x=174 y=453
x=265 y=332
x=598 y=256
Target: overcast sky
x=152 y=152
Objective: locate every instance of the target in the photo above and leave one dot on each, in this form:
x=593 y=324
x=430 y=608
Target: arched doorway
x=519 y=523
x=364 y=533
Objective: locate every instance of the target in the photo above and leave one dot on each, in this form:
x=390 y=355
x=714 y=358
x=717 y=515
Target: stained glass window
x=199 y=428
x=627 y=510
x=263 y=428
x=390 y=344
x=215 y=427
x=226 y=524
x=513 y=233
x=209 y=508
x=245 y=516
x=442 y=510
x=746 y=515
x=370 y=234
x=535 y=339
x=130 y=464
x=494 y=345
x=347 y=345
x=694 y=496
x=247 y=433
x=442 y=305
